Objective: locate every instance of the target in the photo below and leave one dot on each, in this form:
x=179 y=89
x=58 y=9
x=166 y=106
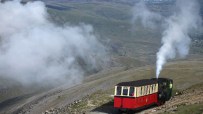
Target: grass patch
x=94 y=100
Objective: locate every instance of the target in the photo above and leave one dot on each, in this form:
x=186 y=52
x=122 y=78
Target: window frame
x=128 y=91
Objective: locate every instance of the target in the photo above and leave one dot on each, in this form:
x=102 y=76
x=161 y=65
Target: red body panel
x=134 y=102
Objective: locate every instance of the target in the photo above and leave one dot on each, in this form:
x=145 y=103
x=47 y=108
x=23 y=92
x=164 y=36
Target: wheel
x=120 y=111
x=130 y=112
x=160 y=103
x=116 y=111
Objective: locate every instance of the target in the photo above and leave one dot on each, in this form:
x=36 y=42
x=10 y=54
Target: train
x=139 y=94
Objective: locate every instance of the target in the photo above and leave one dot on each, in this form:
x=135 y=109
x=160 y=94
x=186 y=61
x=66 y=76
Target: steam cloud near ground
x=177 y=27
x=34 y=50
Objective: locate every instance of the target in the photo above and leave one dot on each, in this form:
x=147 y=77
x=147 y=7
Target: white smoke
x=144 y=15
x=34 y=50
x=176 y=39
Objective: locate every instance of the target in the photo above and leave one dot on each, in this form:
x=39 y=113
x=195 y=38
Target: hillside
x=132 y=52
x=84 y=97
x=113 y=25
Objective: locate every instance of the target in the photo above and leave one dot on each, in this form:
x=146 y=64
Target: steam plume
x=34 y=50
x=144 y=15
x=176 y=39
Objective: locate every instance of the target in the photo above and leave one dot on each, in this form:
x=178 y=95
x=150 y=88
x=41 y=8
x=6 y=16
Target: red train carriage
x=137 y=94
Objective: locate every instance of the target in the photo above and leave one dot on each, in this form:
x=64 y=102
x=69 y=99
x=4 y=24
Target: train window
x=118 y=91
x=131 y=91
x=148 y=87
x=125 y=90
x=146 y=90
x=138 y=91
x=153 y=88
x=141 y=91
x=156 y=90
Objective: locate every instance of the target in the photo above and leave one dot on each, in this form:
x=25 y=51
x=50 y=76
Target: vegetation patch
x=188 y=109
x=92 y=101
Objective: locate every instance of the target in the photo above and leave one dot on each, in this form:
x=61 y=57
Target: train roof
x=138 y=82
